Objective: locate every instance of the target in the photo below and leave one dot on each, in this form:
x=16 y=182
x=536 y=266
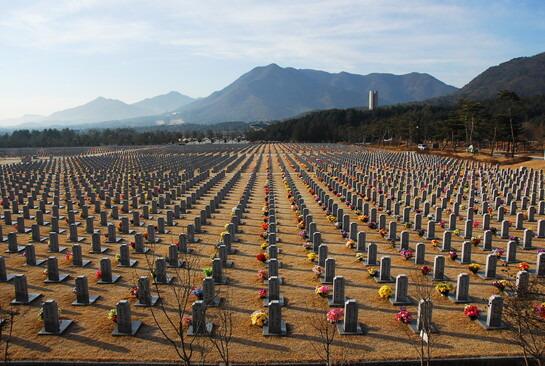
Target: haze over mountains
x=264 y=93
x=272 y=92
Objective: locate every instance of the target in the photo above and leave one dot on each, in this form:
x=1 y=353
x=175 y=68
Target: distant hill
x=272 y=92
x=523 y=75
x=100 y=109
x=164 y=103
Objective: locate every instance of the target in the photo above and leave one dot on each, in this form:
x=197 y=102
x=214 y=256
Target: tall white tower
x=373 y=99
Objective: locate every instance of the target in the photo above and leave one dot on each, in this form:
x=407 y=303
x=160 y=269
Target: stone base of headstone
x=208 y=328
x=19 y=249
x=482 y=321
x=216 y=301
x=144 y=251
x=102 y=250
x=136 y=324
x=92 y=299
x=9 y=277
x=153 y=301
x=168 y=281
x=279 y=264
x=3 y=239
x=521 y=246
x=77 y=223
x=228 y=264
x=340 y=329
x=195 y=240
x=26 y=231
x=61 y=231
x=37 y=263
x=235 y=240
x=336 y=305
x=281 y=301
x=444 y=278
x=132 y=263
x=266 y=282
x=62 y=277
x=504 y=260
x=283 y=330
x=390 y=280
x=31 y=298
x=83 y=263
x=428 y=237
x=180 y=264
x=130 y=232
x=166 y=231
x=222 y=282
x=79 y=239
x=114 y=280
x=412 y=325
x=464 y=236
x=63 y=324
x=232 y=251
x=139 y=224
x=408 y=301
x=482 y=274
x=324 y=281
x=61 y=249
x=452 y=297
x=40 y=240
x=533 y=272
x=115 y=241
x=459 y=260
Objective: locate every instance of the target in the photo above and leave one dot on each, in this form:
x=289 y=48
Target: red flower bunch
x=265 y=226
x=404 y=316
x=261 y=257
x=98 y=274
x=472 y=311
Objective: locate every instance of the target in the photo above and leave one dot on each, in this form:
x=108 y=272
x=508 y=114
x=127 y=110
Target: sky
x=57 y=54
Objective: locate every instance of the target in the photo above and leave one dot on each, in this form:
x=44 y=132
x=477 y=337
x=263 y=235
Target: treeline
x=120 y=136
x=507 y=118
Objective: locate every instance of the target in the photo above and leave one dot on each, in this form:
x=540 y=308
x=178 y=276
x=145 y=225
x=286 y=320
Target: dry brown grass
x=89 y=338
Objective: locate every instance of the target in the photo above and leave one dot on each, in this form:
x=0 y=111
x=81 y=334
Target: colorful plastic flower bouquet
x=425 y=270
x=112 y=315
x=322 y=291
x=197 y=292
x=404 y=316
x=500 y=285
x=334 y=315
x=318 y=270
x=539 y=309
x=312 y=256
x=385 y=292
x=474 y=267
x=259 y=318
x=262 y=257
x=523 y=266
x=133 y=292
x=498 y=252
x=263 y=293
x=472 y=311
x=263 y=274
x=350 y=244
x=453 y=255
x=444 y=288
x=435 y=243
x=406 y=253
x=360 y=257
x=372 y=272
x=475 y=241
x=207 y=271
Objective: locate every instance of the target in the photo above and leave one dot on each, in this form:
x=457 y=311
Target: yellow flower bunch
x=385 y=292
x=331 y=218
x=312 y=256
x=259 y=318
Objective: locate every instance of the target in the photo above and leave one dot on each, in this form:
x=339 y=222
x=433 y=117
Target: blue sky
x=56 y=54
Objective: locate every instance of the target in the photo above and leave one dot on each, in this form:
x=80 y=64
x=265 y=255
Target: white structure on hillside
x=373 y=99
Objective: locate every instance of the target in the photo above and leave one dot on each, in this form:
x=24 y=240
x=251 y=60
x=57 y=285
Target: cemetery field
x=312 y=198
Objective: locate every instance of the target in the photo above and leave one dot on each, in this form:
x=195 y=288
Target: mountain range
x=273 y=92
